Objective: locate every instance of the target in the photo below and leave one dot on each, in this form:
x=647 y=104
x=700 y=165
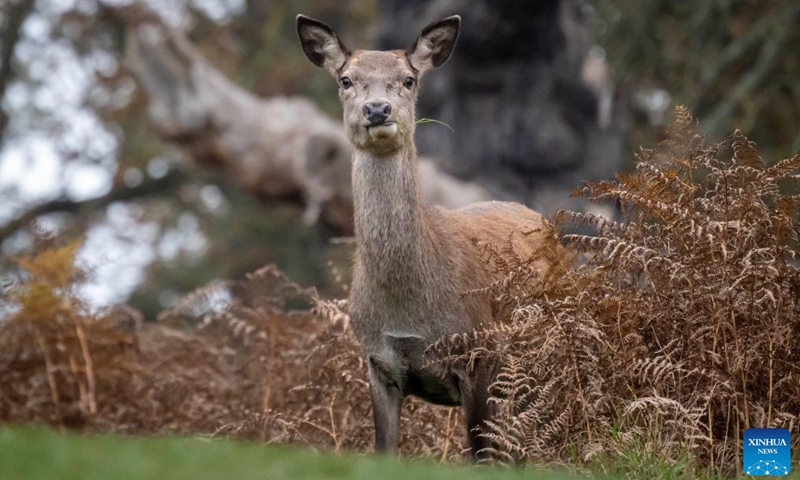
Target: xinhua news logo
x=767 y=451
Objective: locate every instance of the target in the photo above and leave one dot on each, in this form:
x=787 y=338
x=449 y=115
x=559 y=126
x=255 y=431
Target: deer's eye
x=346 y=83
x=409 y=82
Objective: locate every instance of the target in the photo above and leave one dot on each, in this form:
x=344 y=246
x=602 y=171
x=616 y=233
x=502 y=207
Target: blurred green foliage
x=734 y=63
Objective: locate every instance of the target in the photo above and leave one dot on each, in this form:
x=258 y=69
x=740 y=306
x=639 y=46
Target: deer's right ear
x=321 y=44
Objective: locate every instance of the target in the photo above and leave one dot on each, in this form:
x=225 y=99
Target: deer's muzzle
x=376 y=112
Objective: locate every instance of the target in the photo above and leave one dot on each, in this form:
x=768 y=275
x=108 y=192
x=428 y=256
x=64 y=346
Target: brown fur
x=413 y=262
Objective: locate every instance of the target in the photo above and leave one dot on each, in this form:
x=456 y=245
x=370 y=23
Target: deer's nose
x=377 y=112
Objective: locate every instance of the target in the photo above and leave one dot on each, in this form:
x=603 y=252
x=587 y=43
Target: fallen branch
x=275 y=148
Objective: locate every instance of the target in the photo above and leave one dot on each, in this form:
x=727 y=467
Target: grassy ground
x=45 y=455
x=41 y=454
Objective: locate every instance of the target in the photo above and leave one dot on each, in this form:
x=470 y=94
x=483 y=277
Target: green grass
x=28 y=454
x=41 y=454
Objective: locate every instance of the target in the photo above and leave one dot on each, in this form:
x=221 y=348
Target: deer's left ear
x=435 y=44
x=321 y=44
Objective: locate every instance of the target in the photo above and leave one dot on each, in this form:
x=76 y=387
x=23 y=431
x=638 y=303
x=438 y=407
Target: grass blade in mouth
x=423 y=121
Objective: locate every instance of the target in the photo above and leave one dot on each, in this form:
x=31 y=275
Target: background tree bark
x=528 y=98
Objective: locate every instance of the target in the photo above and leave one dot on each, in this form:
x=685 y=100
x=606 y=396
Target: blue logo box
x=767 y=451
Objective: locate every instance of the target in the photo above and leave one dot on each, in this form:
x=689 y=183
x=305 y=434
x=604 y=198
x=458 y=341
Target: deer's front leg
x=386 y=403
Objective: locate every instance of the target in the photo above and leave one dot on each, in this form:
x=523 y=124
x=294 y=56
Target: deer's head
x=378 y=89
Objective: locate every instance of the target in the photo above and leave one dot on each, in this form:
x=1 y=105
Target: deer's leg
x=386 y=403
x=477 y=409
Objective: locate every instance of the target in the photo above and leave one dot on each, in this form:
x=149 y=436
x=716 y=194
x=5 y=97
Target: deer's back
x=500 y=222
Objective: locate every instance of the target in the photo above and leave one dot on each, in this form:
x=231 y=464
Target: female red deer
x=412 y=261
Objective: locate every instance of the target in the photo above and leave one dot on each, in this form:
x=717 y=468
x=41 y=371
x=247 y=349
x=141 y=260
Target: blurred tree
x=12 y=15
x=186 y=226
x=734 y=63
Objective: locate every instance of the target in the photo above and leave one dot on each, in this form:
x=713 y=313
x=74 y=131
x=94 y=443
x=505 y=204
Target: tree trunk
x=527 y=95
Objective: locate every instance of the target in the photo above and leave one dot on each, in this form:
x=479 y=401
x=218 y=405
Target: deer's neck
x=391 y=225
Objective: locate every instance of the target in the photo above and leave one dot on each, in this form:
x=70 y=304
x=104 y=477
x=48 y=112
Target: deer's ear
x=321 y=44
x=435 y=44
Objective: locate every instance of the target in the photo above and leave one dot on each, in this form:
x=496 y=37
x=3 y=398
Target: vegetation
x=729 y=61
x=679 y=331
x=45 y=455
x=251 y=367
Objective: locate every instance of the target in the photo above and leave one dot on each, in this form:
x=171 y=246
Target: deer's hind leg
x=478 y=409
x=386 y=403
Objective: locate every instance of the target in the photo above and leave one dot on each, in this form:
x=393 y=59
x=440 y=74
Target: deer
x=413 y=262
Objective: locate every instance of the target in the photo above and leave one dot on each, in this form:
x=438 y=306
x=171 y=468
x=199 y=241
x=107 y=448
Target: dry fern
x=678 y=332
x=260 y=358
